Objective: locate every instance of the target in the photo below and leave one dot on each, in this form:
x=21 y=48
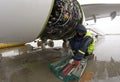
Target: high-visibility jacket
x=92 y=45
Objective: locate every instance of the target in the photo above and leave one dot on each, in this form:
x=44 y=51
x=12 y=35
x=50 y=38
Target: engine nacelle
x=23 y=21
x=63 y=19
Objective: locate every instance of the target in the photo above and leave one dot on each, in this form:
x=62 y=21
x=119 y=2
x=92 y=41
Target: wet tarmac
x=33 y=66
x=29 y=67
x=106 y=64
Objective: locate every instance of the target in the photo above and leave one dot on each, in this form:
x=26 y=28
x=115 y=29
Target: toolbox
x=75 y=73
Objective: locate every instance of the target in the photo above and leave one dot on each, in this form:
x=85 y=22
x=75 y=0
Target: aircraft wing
x=95 y=11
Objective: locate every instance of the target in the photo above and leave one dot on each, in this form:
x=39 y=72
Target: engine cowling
x=23 y=21
x=63 y=20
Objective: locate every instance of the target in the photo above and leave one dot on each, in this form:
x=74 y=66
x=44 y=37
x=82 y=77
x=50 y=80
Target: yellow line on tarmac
x=86 y=77
x=2 y=45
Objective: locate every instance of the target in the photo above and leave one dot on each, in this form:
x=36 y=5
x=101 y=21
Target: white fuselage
x=23 y=20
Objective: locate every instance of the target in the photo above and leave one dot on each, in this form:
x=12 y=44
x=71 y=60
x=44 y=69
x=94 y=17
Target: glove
x=74 y=62
x=71 y=61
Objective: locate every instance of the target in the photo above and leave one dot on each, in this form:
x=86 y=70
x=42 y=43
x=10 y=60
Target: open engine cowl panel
x=63 y=19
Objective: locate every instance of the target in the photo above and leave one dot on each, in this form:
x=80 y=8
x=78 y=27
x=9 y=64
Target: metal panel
x=23 y=20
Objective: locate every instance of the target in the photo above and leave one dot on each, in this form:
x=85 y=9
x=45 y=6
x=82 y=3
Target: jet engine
x=63 y=20
x=23 y=21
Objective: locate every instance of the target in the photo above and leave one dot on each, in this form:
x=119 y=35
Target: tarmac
x=22 y=65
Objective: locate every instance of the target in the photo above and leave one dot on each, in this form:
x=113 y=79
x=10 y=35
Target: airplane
x=24 y=21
